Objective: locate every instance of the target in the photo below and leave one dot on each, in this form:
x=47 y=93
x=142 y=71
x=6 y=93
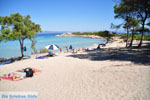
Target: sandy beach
x=104 y=74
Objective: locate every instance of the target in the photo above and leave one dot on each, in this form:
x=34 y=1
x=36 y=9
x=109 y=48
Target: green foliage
x=139 y=9
x=123 y=36
x=147 y=37
x=135 y=37
x=122 y=11
x=106 y=34
x=44 y=50
x=18 y=27
x=84 y=33
x=148 y=24
x=132 y=24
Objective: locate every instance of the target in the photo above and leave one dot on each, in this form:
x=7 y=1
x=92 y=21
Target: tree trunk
x=131 y=39
x=21 y=47
x=140 y=44
x=107 y=41
x=127 y=37
x=22 y=51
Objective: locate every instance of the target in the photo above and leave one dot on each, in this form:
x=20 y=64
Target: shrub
x=44 y=50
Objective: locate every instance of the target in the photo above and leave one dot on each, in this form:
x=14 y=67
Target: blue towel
x=7 y=62
x=2 y=64
x=41 y=57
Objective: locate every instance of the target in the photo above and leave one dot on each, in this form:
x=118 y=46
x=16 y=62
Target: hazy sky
x=64 y=15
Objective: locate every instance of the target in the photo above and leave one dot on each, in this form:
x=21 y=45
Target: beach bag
x=29 y=72
x=24 y=49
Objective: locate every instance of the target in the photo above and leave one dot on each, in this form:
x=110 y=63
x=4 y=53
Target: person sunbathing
x=15 y=76
x=18 y=76
x=21 y=74
x=36 y=71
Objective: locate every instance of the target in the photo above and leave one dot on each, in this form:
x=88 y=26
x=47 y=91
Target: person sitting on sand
x=60 y=50
x=67 y=48
x=74 y=50
x=98 y=46
x=80 y=49
x=83 y=49
x=66 y=51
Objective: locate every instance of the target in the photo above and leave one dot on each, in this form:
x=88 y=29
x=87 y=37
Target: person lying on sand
x=15 y=76
x=21 y=74
x=35 y=71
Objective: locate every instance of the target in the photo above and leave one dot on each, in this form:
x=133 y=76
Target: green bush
x=147 y=37
x=137 y=37
x=44 y=50
x=84 y=33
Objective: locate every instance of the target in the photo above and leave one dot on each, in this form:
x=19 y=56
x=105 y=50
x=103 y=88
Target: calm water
x=12 y=48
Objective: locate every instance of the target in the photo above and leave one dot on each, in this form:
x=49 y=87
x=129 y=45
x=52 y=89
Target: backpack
x=29 y=72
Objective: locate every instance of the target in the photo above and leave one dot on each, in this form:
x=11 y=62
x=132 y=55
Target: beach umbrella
x=52 y=47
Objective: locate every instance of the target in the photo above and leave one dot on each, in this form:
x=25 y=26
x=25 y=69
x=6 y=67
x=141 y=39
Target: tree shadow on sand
x=135 y=55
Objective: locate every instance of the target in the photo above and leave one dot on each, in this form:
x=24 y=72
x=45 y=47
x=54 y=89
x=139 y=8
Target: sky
x=64 y=15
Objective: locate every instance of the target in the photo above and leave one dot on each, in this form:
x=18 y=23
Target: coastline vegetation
x=108 y=35
x=135 y=15
x=18 y=27
x=105 y=34
x=44 y=50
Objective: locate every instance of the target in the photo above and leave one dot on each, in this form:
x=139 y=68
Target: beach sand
x=81 y=77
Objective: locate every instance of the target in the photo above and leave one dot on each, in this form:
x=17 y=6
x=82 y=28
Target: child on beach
x=60 y=50
x=66 y=51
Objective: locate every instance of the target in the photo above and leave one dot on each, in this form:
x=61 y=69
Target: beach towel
x=7 y=62
x=2 y=64
x=7 y=78
x=40 y=57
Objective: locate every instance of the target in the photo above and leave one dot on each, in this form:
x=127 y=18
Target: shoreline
x=86 y=36
x=29 y=51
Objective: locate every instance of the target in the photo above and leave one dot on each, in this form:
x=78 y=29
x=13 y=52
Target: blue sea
x=12 y=48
